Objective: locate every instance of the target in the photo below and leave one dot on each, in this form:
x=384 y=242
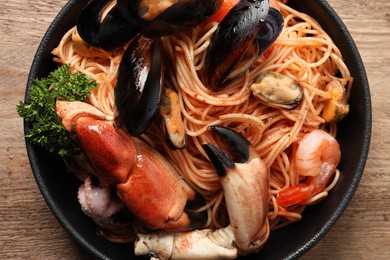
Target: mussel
x=89 y=20
x=276 y=90
x=234 y=34
x=111 y=24
x=271 y=30
x=267 y=35
x=139 y=85
x=249 y=27
x=119 y=26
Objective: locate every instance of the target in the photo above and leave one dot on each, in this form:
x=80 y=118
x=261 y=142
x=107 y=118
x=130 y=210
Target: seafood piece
x=146 y=183
x=245 y=182
x=172 y=120
x=234 y=34
x=225 y=7
x=139 y=85
x=250 y=56
x=106 y=210
x=98 y=201
x=317 y=156
x=267 y=35
x=89 y=20
x=271 y=30
x=246 y=188
x=84 y=49
x=197 y=244
x=149 y=9
x=111 y=24
x=181 y=15
x=69 y=111
x=337 y=107
x=117 y=28
x=276 y=90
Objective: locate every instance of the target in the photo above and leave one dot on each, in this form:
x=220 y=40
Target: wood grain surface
x=28 y=229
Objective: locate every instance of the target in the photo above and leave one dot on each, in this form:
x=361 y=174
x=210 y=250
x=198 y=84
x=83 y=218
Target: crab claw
x=146 y=183
x=245 y=181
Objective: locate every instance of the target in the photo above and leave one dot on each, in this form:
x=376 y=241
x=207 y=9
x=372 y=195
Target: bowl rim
x=366 y=128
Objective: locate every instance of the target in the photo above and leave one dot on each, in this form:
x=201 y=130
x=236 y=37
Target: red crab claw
x=245 y=182
x=145 y=181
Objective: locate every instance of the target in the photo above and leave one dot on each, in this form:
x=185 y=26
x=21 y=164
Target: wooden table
x=28 y=229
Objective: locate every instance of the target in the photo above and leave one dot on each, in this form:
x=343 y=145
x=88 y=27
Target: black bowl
x=59 y=188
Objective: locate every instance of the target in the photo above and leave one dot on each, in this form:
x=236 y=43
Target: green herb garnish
x=46 y=129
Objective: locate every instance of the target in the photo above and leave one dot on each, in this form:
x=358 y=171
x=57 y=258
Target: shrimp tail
x=293 y=195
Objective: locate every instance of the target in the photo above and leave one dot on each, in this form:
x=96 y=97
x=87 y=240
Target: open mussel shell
x=118 y=27
x=109 y=24
x=182 y=14
x=272 y=28
x=266 y=36
x=88 y=23
x=232 y=38
x=139 y=85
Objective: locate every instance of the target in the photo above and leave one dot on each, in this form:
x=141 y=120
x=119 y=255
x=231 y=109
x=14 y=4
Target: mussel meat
x=172 y=120
x=336 y=108
x=278 y=91
x=182 y=14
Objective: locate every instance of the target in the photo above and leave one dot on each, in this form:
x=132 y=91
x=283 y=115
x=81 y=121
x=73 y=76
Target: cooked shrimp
x=317 y=157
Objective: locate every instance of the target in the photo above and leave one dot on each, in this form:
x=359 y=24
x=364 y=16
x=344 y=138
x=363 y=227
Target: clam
x=276 y=90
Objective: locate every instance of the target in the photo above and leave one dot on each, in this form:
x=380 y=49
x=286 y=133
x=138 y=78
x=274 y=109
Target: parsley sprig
x=46 y=129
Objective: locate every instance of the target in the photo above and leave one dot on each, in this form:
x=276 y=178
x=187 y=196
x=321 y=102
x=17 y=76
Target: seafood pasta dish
x=203 y=125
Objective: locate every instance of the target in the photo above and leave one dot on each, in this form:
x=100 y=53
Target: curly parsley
x=46 y=129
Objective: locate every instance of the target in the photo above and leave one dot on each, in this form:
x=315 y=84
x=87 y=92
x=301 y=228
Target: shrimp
x=317 y=157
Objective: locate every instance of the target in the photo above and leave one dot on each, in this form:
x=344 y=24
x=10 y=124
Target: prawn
x=317 y=157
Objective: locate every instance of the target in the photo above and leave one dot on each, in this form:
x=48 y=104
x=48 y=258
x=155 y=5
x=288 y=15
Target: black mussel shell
x=272 y=28
x=117 y=29
x=235 y=33
x=88 y=23
x=182 y=14
x=139 y=85
x=111 y=32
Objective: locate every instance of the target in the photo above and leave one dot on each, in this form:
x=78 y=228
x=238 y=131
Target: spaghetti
x=303 y=52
